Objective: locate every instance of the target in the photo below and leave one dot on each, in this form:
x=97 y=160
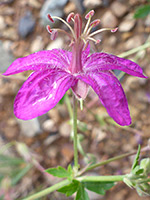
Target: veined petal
x=111 y=94
x=42 y=60
x=41 y=92
x=104 y=61
x=85 y=54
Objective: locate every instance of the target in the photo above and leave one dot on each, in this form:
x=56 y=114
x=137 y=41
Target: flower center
x=79 y=40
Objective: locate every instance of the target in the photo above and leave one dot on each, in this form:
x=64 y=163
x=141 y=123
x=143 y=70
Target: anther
x=70 y=17
x=49 y=29
x=114 y=30
x=95 y=23
x=89 y=14
x=50 y=18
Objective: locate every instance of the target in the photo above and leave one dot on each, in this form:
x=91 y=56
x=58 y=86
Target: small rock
x=29 y=128
x=98 y=135
x=26 y=25
x=112 y=40
x=58 y=43
x=70 y=7
x=65 y=129
x=55 y=8
x=2 y=23
x=52 y=138
x=109 y=20
x=37 y=44
x=5 y=58
x=34 y=4
x=7 y=11
x=48 y=125
x=133 y=42
x=92 y=4
x=127 y=24
x=9 y=33
x=119 y=9
x=79 y=6
x=54 y=115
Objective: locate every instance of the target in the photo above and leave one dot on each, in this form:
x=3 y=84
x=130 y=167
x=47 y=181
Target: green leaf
x=59 y=172
x=136 y=160
x=70 y=189
x=82 y=193
x=142 y=11
x=62 y=100
x=99 y=187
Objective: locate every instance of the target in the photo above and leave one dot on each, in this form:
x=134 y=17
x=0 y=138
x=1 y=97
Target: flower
x=57 y=70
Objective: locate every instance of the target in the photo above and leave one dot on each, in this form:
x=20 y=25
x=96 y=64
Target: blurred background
x=22 y=32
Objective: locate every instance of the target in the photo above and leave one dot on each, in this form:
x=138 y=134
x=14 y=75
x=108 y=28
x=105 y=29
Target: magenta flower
x=58 y=70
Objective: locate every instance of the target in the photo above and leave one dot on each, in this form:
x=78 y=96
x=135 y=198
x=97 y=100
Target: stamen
x=60 y=19
x=50 y=18
x=54 y=34
x=114 y=30
x=100 y=30
x=49 y=29
x=89 y=14
x=95 y=23
x=70 y=17
x=94 y=40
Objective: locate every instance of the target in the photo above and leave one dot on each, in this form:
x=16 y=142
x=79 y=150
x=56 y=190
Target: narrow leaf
x=98 y=187
x=70 y=189
x=136 y=160
x=59 y=172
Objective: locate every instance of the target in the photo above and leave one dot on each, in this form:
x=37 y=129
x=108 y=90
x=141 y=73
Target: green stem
x=75 y=139
x=101 y=178
x=135 y=50
x=48 y=190
x=109 y=160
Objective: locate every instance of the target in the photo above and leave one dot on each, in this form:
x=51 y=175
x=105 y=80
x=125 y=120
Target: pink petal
x=85 y=54
x=104 y=61
x=42 y=60
x=41 y=92
x=111 y=94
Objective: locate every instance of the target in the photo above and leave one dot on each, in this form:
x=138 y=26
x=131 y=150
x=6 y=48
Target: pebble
x=54 y=115
x=112 y=40
x=65 y=129
x=92 y=4
x=79 y=6
x=109 y=20
x=70 y=7
x=2 y=23
x=57 y=43
x=119 y=9
x=55 y=8
x=6 y=58
x=127 y=24
x=29 y=128
x=9 y=33
x=133 y=42
x=34 y=4
x=37 y=44
x=26 y=24
x=48 y=125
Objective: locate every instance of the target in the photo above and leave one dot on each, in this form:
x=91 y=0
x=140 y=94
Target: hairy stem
x=101 y=178
x=75 y=139
x=48 y=190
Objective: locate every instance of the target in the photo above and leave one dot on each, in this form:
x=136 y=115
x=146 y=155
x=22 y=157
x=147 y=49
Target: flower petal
x=41 y=92
x=42 y=60
x=104 y=61
x=111 y=94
